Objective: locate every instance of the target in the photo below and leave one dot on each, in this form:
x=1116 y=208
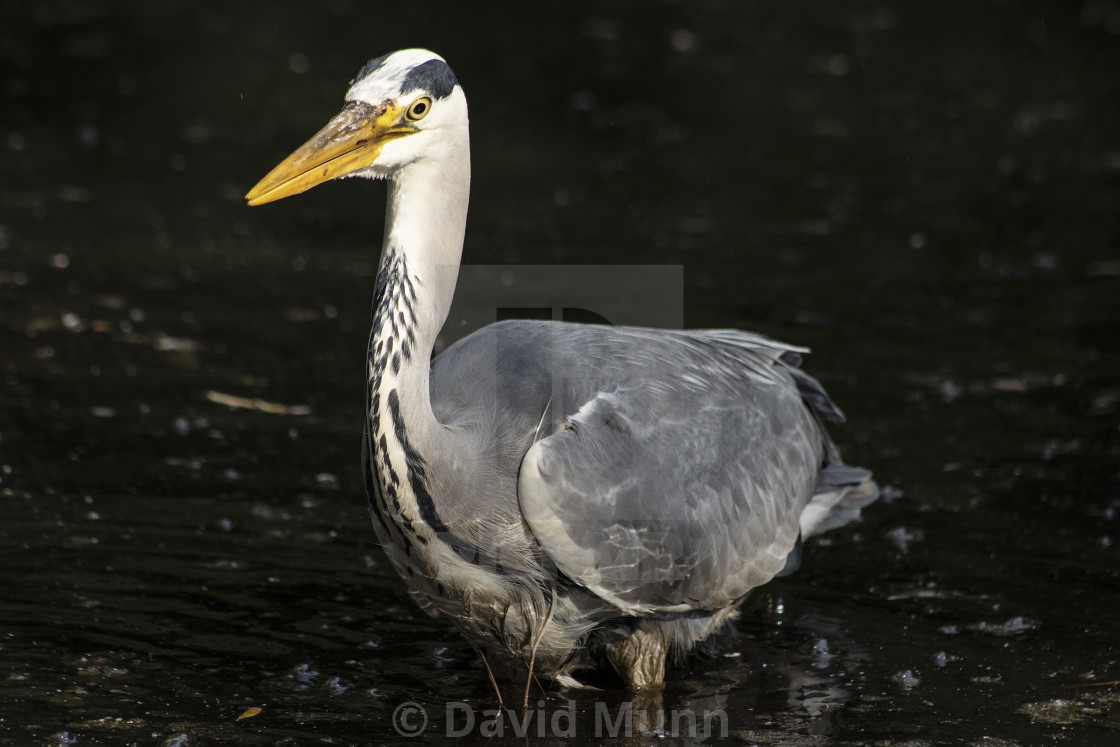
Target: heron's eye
x=419 y=109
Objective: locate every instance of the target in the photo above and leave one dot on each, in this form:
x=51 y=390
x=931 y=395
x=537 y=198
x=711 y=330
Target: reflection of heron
x=567 y=494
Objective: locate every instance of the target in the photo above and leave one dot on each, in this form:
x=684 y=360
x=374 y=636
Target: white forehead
x=384 y=77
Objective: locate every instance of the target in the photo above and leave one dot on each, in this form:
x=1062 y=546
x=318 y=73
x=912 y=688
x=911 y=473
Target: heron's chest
x=398 y=467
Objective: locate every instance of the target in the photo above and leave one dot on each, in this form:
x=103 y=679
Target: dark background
x=925 y=193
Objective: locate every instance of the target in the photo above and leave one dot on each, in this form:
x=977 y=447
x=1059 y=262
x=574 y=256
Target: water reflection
x=764 y=687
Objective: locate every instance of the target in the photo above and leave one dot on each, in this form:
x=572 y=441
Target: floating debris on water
x=247 y=403
x=907 y=679
x=1014 y=626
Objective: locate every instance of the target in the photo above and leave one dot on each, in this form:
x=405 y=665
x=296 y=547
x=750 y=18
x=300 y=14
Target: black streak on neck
x=394 y=319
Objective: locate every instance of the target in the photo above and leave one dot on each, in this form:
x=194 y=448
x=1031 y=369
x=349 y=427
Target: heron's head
x=402 y=107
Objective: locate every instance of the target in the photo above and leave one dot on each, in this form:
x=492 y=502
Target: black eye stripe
x=433 y=76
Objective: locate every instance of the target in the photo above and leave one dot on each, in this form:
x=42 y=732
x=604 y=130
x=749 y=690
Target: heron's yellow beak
x=352 y=140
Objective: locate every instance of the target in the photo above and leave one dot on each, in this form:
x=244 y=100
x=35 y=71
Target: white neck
x=424 y=225
x=425 y=220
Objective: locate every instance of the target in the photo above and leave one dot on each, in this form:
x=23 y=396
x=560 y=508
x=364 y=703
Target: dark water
x=924 y=193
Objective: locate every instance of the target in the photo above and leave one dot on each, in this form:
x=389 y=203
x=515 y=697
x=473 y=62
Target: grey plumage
x=569 y=495
x=666 y=473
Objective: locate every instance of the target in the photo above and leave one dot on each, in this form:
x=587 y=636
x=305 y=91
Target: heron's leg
x=640 y=658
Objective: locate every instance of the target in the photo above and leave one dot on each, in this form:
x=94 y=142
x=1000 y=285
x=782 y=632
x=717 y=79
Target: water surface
x=923 y=193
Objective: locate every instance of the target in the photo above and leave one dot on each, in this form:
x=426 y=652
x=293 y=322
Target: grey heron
x=570 y=495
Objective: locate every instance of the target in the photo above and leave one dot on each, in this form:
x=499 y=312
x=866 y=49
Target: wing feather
x=664 y=471
x=678 y=496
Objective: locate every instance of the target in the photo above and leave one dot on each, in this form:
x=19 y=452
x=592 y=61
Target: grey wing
x=664 y=498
